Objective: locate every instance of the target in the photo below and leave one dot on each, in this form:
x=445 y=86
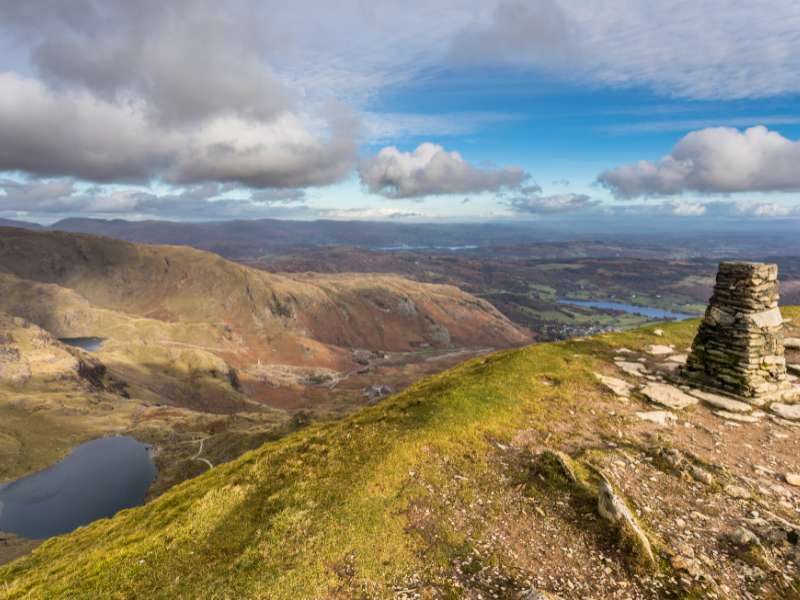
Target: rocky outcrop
x=739 y=345
x=613 y=509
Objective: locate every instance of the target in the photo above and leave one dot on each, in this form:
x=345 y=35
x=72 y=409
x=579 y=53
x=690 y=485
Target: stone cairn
x=739 y=346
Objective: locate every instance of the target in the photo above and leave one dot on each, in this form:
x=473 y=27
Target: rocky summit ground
x=578 y=469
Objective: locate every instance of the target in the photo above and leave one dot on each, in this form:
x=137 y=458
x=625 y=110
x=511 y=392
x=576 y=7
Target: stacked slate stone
x=739 y=346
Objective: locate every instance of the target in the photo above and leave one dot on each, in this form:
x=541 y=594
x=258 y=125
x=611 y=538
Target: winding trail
x=199 y=451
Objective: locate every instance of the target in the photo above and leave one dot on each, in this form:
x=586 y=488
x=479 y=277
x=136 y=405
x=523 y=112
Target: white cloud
x=368 y=214
x=194 y=91
x=766 y=209
x=382 y=127
x=179 y=91
x=535 y=32
x=559 y=203
x=703 y=49
x=50 y=132
x=203 y=201
x=713 y=160
x=432 y=170
x=709 y=210
x=689 y=124
x=685 y=208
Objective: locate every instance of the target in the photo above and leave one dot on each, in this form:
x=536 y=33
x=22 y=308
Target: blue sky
x=541 y=110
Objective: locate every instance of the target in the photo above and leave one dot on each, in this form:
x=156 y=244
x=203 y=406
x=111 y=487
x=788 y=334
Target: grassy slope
x=287 y=520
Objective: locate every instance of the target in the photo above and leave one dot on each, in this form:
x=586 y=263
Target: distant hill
x=20 y=224
x=497 y=479
x=195 y=346
x=259 y=237
x=180 y=284
x=249 y=238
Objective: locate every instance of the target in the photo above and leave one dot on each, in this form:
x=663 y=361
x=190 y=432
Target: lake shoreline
x=95 y=480
x=656 y=314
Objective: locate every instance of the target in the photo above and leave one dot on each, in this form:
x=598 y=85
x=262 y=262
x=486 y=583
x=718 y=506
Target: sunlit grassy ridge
x=326 y=511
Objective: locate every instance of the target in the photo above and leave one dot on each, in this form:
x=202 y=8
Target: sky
x=456 y=110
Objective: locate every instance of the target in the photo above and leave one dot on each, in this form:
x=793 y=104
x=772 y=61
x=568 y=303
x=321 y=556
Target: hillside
x=201 y=348
x=528 y=283
x=480 y=482
x=178 y=284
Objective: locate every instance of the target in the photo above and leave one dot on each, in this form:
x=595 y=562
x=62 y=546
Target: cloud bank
x=431 y=170
x=178 y=91
x=559 y=203
x=713 y=160
x=703 y=49
x=209 y=200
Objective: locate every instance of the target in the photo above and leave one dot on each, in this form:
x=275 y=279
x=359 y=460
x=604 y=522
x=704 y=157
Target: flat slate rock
x=619 y=386
x=679 y=358
x=664 y=418
x=632 y=368
x=659 y=349
x=668 y=395
x=792 y=343
x=790 y=412
x=670 y=366
x=721 y=402
x=739 y=418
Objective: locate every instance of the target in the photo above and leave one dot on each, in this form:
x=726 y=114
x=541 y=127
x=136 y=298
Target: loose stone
x=668 y=395
x=659 y=349
x=619 y=386
x=737 y=491
x=678 y=358
x=742 y=537
x=659 y=417
x=632 y=368
x=702 y=475
x=793 y=479
x=739 y=418
x=790 y=412
x=721 y=402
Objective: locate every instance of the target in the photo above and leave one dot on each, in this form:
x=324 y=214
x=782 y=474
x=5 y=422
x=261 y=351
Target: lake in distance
x=90 y=344
x=646 y=311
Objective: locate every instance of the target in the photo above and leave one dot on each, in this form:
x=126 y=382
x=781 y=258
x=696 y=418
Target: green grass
x=543 y=292
x=327 y=511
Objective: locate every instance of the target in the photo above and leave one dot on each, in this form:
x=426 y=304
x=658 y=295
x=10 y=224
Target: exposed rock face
x=739 y=346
